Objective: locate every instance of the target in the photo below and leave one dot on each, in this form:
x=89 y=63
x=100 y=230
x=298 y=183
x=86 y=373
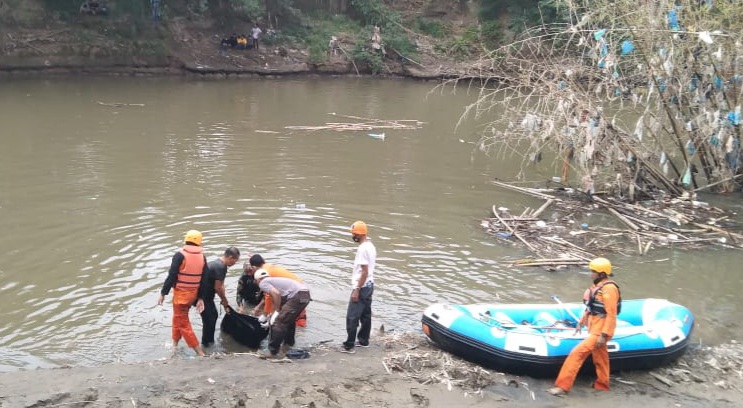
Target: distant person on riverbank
x=602 y=308
x=362 y=288
x=155 y=10
x=333 y=46
x=255 y=33
x=187 y=269
x=214 y=284
x=290 y=298
x=266 y=306
x=376 y=39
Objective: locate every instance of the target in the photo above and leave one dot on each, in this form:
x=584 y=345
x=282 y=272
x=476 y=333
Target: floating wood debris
x=562 y=236
x=363 y=124
x=120 y=104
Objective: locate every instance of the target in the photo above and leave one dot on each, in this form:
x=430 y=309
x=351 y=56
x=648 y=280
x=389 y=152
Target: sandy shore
x=397 y=371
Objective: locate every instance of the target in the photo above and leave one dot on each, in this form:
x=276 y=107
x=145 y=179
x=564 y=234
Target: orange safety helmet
x=600 y=265
x=193 y=236
x=359 y=228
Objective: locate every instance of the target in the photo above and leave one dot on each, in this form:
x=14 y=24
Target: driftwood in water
x=363 y=124
x=564 y=238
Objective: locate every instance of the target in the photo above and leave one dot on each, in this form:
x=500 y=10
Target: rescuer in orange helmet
x=603 y=305
x=187 y=269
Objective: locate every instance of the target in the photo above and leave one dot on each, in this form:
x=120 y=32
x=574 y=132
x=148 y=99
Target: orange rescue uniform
x=608 y=294
x=185 y=293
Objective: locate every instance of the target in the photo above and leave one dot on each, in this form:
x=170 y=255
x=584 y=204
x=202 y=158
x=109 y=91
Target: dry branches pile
x=561 y=240
x=650 y=91
x=425 y=364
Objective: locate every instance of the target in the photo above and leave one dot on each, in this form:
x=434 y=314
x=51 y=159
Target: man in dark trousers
x=289 y=298
x=214 y=284
x=359 y=313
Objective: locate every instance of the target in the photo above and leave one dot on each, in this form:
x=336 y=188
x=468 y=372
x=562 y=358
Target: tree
x=641 y=95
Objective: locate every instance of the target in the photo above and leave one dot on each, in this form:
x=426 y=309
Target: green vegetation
x=428 y=26
x=306 y=24
x=519 y=14
x=318 y=35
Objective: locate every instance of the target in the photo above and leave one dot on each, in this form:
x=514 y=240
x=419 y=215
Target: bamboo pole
x=561 y=241
x=732 y=235
x=523 y=190
x=513 y=232
x=553 y=263
x=520 y=219
x=623 y=219
x=543 y=207
x=717 y=183
x=639 y=244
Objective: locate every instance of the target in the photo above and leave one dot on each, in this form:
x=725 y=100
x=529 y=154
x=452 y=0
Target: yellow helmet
x=600 y=265
x=359 y=228
x=193 y=236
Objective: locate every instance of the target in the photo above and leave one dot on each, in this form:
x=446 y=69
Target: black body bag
x=245 y=329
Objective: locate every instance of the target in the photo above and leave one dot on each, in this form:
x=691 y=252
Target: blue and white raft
x=535 y=339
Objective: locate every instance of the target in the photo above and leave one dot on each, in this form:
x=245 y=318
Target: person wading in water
x=187 y=269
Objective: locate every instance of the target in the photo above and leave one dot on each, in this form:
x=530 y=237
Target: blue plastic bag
x=734 y=118
x=673 y=19
x=627 y=47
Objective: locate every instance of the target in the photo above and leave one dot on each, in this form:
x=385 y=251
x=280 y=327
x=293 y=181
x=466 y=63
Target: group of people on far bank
x=243 y=42
x=280 y=297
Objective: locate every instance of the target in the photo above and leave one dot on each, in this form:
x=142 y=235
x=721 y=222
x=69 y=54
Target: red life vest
x=189 y=275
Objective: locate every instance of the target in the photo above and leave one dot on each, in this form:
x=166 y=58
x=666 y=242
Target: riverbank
x=398 y=371
x=210 y=61
x=184 y=46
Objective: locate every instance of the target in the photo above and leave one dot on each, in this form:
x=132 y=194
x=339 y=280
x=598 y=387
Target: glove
x=274 y=315
x=263 y=320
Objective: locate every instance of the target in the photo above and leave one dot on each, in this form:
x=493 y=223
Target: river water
x=95 y=199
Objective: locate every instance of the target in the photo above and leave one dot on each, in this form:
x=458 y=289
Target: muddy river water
x=95 y=199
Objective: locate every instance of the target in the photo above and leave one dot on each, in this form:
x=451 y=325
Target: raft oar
x=529 y=326
x=564 y=306
x=509 y=325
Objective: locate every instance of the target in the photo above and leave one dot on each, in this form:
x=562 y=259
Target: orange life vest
x=275 y=271
x=189 y=275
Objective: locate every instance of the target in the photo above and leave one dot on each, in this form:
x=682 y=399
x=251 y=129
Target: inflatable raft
x=535 y=339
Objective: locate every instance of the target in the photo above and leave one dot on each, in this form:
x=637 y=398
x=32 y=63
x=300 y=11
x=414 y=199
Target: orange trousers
x=182 y=302
x=575 y=360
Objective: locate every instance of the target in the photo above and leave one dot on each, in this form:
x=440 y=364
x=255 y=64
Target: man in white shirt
x=256 y=34
x=362 y=287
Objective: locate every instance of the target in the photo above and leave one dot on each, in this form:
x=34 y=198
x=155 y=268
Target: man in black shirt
x=214 y=284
